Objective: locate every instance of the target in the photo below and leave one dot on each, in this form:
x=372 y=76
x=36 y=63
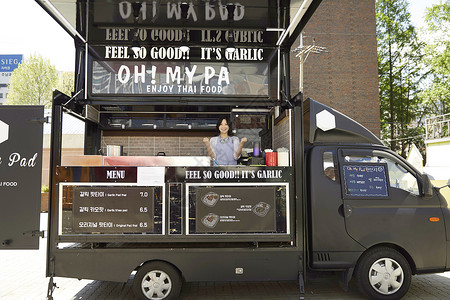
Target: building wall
x=151 y=145
x=280 y=136
x=3 y=93
x=346 y=76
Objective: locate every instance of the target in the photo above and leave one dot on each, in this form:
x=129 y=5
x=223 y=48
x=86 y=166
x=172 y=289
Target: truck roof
x=323 y=124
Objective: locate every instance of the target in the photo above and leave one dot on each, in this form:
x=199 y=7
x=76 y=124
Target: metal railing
x=437 y=127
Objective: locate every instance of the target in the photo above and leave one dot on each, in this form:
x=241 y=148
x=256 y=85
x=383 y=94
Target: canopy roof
x=65 y=13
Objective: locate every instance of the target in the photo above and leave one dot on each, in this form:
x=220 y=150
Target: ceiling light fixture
x=184 y=6
x=230 y=46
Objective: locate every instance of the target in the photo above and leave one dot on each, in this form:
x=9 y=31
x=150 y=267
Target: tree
x=32 y=83
x=437 y=58
x=66 y=83
x=399 y=57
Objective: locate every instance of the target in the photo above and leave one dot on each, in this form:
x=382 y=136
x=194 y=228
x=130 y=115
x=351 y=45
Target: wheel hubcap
x=156 y=284
x=386 y=276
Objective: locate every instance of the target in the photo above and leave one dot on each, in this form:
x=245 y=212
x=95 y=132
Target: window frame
x=387 y=155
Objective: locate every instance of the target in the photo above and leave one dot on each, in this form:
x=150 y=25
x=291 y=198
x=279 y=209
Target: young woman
x=224 y=149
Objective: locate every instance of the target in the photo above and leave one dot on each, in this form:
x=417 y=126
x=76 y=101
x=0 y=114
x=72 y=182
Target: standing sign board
x=20 y=175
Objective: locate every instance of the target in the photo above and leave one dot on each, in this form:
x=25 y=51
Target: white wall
x=438 y=159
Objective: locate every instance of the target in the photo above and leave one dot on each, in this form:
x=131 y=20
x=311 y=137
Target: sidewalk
x=22 y=277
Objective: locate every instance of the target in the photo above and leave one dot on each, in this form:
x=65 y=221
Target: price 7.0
x=144 y=194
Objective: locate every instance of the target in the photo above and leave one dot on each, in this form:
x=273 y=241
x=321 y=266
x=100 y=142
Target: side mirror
x=448 y=184
x=427 y=186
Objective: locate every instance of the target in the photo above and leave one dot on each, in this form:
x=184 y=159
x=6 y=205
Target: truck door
x=383 y=204
x=20 y=175
x=330 y=245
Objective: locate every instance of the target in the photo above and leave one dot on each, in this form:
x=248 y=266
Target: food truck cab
x=152 y=78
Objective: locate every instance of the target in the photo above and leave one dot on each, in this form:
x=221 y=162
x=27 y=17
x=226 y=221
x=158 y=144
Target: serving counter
x=141 y=161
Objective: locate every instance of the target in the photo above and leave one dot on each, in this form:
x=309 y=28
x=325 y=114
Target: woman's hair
x=219 y=121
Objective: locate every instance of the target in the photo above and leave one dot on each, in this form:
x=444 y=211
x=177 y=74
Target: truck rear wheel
x=383 y=273
x=157 y=280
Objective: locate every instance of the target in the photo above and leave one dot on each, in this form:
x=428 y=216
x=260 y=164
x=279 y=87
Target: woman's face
x=223 y=127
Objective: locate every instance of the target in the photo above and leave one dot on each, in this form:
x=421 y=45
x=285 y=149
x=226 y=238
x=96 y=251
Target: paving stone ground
x=22 y=277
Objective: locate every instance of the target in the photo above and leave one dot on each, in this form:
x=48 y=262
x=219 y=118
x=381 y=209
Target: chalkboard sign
x=113 y=209
x=234 y=210
x=365 y=180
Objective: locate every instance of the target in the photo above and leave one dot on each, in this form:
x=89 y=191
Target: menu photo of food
x=210 y=199
x=210 y=220
x=261 y=209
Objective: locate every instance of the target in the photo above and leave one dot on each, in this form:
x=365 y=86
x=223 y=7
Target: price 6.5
x=143 y=209
x=143 y=224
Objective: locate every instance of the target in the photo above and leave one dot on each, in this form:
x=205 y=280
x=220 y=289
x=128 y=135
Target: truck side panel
x=195 y=264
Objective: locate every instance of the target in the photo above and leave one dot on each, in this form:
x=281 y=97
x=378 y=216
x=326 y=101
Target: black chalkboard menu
x=365 y=180
x=113 y=209
x=235 y=210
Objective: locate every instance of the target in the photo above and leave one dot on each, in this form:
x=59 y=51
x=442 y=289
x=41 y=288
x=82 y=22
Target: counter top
x=157 y=161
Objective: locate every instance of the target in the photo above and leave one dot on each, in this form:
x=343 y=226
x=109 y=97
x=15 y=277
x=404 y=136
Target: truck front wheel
x=157 y=280
x=383 y=273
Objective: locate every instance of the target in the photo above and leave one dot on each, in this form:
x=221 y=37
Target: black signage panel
x=228 y=174
x=141 y=48
x=96 y=174
x=20 y=175
x=113 y=209
x=234 y=210
x=365 y=180
x=179 y=78
x=149 y=36
x=203 y=14
x=156 y=53
x=114 y=174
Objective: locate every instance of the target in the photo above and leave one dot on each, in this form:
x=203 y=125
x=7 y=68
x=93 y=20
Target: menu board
x=113 y=209
x=363 y=180
x=235 y=209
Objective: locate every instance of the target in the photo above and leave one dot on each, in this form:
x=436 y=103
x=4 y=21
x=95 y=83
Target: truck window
x=329 y=164
x=399 y=177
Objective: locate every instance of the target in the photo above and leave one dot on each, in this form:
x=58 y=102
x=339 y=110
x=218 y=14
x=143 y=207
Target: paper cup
x=271 y=159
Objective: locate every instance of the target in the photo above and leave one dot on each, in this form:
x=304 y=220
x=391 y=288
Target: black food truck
x=313 y=190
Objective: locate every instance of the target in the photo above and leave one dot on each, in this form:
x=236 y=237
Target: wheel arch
x=158 y=260
x=401 y=250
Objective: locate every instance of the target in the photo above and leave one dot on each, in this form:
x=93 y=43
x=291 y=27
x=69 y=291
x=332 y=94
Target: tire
x=383 y=273
x=157 y=280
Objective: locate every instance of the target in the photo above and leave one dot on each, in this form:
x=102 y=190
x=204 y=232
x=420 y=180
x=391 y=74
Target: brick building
x=346 y=76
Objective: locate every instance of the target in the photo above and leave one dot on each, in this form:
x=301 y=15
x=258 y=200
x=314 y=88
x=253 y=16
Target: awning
x=65 y=14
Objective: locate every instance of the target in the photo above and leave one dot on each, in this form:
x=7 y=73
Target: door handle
x=348 y=210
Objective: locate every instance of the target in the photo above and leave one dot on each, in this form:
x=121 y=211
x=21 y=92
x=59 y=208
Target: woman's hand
x=243 y=141
x=208 y=147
